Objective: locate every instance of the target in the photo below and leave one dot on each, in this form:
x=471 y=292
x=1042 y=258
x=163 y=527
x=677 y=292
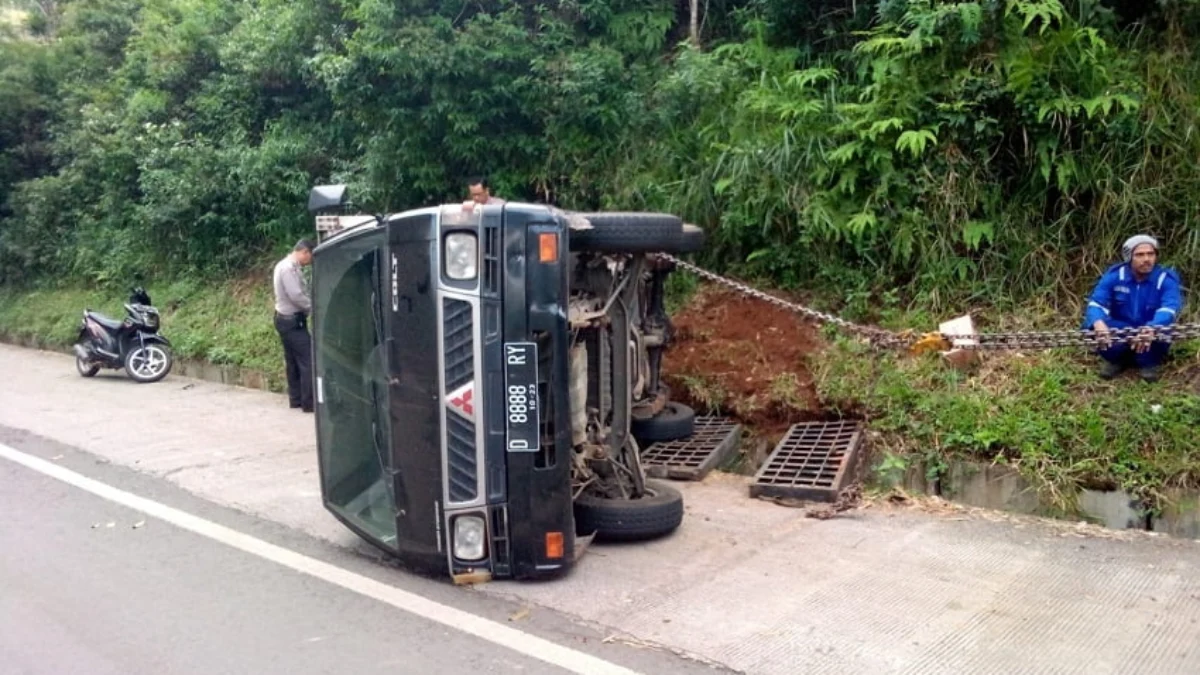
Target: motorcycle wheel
x=148 y=363
x=86 y=368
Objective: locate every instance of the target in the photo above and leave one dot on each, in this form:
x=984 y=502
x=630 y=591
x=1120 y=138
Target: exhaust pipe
x=82 y=353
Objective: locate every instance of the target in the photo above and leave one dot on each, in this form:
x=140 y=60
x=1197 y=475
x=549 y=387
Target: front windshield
x=351 y=367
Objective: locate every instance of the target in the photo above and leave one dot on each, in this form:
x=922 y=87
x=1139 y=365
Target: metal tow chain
x=908 y=340
x=1076 y=338
x=823 y=317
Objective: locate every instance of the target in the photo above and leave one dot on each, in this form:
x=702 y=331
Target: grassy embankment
x=1046 y=414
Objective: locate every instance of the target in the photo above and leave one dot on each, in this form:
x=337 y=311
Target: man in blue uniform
x=1137 y=293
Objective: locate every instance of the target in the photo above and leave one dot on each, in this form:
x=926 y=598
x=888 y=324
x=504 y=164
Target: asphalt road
x=90 y=586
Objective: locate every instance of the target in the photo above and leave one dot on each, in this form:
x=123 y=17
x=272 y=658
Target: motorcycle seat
x=104 y=320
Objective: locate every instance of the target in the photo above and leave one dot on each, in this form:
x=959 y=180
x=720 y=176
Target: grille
x=461 y=468
x=491 y=259
x=813 y=461
x=459 y=343
x=712 y=442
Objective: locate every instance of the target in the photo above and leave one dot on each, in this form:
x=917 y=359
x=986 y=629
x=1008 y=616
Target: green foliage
x=957 y=151
x=190 y=130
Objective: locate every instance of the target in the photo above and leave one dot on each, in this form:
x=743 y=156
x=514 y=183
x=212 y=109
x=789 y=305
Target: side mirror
x=325 y=197
x=139 y=296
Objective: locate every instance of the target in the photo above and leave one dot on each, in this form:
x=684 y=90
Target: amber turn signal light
x=554 y=542
x=547 y=247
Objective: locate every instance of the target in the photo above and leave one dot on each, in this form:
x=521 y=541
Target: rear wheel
x=656 y=514
x=673 y=422
x=86 y=368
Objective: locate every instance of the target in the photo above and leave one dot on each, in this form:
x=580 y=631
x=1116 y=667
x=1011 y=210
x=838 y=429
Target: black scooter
x=133 y=344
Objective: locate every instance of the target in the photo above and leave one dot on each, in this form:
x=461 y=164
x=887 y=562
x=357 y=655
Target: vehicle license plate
x=520 y=396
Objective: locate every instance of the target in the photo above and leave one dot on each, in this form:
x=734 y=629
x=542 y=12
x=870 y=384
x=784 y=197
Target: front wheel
x=148 y=363
x=656 y=514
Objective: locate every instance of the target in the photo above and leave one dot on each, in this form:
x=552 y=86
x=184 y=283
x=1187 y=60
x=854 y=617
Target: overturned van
x=485 y=376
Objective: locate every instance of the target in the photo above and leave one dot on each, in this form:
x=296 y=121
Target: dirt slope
x=744 y=358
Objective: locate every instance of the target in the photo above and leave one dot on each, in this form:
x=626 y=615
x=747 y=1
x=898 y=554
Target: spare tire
x=622 y=232
x=674 y=421
x=656 y=514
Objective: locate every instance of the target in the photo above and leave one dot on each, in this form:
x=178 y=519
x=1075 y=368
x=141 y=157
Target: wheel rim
x=83 y=366
x=148 y=362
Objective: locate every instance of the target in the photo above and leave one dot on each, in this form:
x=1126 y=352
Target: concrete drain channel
x=692 y=458
x=813 y=461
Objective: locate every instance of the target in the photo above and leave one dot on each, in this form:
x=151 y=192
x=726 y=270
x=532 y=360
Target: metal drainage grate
x=814 y=461
x=691 y=458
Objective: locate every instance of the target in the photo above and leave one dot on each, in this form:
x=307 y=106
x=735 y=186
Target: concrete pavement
x=744 y=583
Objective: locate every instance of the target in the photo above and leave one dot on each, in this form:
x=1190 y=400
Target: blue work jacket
x=1122 y=301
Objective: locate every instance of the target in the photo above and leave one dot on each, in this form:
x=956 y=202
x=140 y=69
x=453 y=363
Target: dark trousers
x=297 y=355
x=1122 y=352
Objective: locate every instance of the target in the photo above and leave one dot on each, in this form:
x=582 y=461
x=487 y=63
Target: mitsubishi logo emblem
x=463 y=403
x=461 y=400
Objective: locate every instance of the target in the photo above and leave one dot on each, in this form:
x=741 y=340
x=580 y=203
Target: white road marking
x=486 y=629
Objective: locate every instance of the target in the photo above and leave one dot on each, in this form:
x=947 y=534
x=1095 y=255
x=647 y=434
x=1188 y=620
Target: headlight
x=462 y=252
x=468 y=537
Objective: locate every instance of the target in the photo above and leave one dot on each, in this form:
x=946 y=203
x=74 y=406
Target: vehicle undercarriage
x=619 y=329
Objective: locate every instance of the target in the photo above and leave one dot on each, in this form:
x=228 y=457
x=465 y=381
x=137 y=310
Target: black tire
x=621 y=232
x=86 y=369
x=691 y=239
x=142 y=375
x=657 y=514
x=674 y=421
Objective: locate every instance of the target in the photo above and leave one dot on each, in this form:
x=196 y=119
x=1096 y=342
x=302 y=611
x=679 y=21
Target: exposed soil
x=746 y=359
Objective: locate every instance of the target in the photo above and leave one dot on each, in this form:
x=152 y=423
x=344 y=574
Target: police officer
x=292 y=307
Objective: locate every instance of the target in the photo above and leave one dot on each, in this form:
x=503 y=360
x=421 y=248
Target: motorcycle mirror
x=139 y=296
